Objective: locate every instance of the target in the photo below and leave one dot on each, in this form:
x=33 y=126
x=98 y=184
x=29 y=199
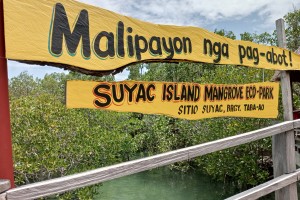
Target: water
x=164 y=184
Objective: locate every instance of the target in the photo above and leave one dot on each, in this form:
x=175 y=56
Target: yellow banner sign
x=70 y=34
x=180 y=100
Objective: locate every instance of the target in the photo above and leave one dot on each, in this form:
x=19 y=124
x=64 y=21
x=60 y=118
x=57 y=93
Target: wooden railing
x=71 y=182
x=268 y=187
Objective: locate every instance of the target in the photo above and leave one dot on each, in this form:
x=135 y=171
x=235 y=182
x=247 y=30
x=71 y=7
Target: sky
x=239 y=16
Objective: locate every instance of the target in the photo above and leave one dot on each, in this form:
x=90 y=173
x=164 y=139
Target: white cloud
x=195 y=12
x=122 y=76
x=15 y=68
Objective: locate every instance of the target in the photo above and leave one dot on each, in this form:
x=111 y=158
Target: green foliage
x=245 y=165
x=263 y=38
x=136 y=71
x=23 y=85
x=292 y=20
x=51 y=141
x=225 y=33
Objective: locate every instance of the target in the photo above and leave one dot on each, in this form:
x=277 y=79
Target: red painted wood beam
x=6 y=159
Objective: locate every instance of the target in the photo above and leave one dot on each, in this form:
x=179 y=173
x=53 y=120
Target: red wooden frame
x=6 y=160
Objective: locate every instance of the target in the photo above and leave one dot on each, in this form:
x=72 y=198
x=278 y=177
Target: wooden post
x=6 y=161
x=284 y=144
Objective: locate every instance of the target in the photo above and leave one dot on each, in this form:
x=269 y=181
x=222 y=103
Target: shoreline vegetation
x=60 y=141
x=51 y=141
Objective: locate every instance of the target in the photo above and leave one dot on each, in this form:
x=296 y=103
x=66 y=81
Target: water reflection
x=164 y=184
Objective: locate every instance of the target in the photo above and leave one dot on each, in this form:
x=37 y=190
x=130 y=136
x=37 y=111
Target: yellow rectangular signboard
x=181 y=100
x=67 y=33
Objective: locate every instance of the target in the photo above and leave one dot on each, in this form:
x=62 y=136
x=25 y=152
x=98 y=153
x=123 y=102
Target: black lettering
x=130 y=91
x=106 y=97
x=110 y=50
x=269 y=57
x=256 y=56
x=120 y=36
x=284 y=59
x=188 y=106
x=176 y=97
x=115 y=93
x=191 y=93
x=169 y=91
x=280 y=59
x=156 y=51
x=183 y=93
x=141 y=94
x=187 y=43
x=149 y=96
x=138 y=48
x=207 y=93
x=197 y=93
x=177 y=41
x=242 y=53
x=170 y=49
x=164 y=92
x=225 y=51
x=274 y=57
x=249 y=53
x=61 y=29
x=130 y=43
x=180 y=110
x=217 y=51
x=207 y=42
